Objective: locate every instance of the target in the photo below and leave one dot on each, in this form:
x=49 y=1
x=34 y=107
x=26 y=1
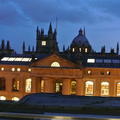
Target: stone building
x=77 y=70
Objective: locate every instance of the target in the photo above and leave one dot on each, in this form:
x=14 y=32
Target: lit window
x=55 y=64
x=108 y=72
x=86 y=50
x=2 y=98
x=73 y=87
x=28 y=85
x=89 y=72
x=80 y=49
x=2 y=69
x=29 y=70
x=15 y=85
x=58 y=87
x=73 y=49
x=43 y=43
x=11 y=59
x=89 y=88
x=42 y=85
x=36 y=58
x=90 y=60
x=15 y=99
x=104 y=88
x=18 y=69
x=13 y=69
x=118 y=89
x=18 y=59
x=5 y=59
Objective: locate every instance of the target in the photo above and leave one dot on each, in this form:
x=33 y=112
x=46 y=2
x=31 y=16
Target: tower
x=46 y=44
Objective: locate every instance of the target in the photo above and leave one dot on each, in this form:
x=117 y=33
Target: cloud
x=10 y=14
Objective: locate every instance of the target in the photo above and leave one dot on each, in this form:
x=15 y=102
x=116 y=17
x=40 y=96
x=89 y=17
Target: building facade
x=77 y=70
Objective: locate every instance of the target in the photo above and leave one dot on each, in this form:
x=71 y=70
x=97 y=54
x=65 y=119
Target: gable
x=53 y=61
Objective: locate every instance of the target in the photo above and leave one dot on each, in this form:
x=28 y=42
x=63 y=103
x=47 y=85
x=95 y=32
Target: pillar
x=34 y=87
x=66 y=87
x=112 y=88
x=49 y=85
x=97 y=87
x=80 y=87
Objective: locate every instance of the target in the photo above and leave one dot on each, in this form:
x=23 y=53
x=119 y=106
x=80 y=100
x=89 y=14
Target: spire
x=103 y=49
x=37 y=33
x=80 y=32
x=3 y=44
x=84 y=32
x=23 y=47
x=29 y=48
x=8 y=45
x=50 y=29
x=117 y=49
x=42 y=31
x=33 y=49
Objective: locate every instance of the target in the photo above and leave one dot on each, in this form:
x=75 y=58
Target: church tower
x=46 y=44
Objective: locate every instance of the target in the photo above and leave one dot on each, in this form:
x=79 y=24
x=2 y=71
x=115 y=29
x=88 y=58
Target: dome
x=80 y=40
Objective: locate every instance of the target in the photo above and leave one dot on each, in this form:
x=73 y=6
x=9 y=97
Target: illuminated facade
x=77 y=70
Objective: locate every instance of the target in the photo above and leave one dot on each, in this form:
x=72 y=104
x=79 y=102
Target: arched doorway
x=118 y=89
x=73 y=87
x=58 y=87
x=89 y=88
x=104 y=88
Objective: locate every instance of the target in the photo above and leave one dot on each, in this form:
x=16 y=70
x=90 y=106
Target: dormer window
x=73 y=49
x=43 y=43
x=86 y=50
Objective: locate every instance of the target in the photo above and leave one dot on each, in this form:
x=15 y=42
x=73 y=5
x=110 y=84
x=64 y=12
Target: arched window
x=15 y=99
x=118 y=89
x=15 y=85
x=55 y=64
x=2 y=84
x=89 y=88
x=104 y=88
x=73 y=87
x=2 y=98
x=28 y=85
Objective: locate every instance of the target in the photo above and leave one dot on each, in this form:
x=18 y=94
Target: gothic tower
x=46 y=44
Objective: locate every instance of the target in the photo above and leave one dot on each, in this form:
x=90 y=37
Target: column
x=112 y=88
x=80 y=87
x=66 y=87
x=34 y=87
x=97 y=87
x=49 y=85
x=8 y=84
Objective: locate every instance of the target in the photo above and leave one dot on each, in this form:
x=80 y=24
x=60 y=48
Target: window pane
x=105 y=88
x=28 y=85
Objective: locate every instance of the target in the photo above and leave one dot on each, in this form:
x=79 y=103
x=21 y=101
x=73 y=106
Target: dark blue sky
x=101 y=18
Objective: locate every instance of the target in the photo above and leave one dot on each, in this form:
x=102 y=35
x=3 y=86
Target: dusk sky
x=101 y=18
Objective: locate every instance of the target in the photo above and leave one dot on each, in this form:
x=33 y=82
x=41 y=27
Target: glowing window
x=13 y=69
x=2 y=98
x=18 y=59
x=73 y=49
x=15 y=99
x=58 y=87
x=28 y=85
x=118 y=89
x=15 y=85
x=55 y=64
x=104 y=88
x=2 y=69
x=5 y=59
x=11 y=59
x=86 y=50
x=80 y=49
x=89 y=72
x=108 y=72
x=89 y=88
x=29 y=70
x=43 y=43
x=18 y=69
x=73 y=87
x=90 y=60
x=42 y=85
